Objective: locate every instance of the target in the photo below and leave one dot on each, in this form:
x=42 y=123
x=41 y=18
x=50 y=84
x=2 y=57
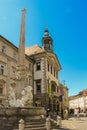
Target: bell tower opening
x=47 y=41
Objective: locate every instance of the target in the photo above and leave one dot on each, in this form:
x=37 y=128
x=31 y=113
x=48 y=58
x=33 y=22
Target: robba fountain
x=22 y=106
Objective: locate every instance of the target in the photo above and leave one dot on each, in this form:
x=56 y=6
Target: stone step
x=35 y=125
x=37 y=128
x=33 y=122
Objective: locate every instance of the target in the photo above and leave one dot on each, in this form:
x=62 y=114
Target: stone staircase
x=30 y=123
x=35 y=124
x=10 y=117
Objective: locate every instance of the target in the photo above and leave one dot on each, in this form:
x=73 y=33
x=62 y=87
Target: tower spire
x=21 y=57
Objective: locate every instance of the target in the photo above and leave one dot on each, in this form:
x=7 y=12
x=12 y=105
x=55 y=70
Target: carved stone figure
x=11 y=97
x=27 y=96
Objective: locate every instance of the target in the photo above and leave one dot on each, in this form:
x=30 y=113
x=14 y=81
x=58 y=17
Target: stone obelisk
x=21 y=50
x=21 y=67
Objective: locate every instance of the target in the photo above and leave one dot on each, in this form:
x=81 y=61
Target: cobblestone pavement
x=73 y=124
x=68 y=125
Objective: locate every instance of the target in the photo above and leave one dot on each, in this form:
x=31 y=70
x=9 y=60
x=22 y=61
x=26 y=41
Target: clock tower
x=47 y=42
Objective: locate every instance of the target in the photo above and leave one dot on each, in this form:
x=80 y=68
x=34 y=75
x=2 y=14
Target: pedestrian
x=47 y=112
x=66 y=114
x=76 y=113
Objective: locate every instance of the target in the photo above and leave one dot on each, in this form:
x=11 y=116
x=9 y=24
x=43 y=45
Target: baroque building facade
x=79 y=101
x=8 y=69
x=46 y=68
x=35 y=66
x=65 y=100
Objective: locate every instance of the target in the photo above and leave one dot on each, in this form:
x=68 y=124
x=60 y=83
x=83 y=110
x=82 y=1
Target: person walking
x=66 y=114
x=76 y=113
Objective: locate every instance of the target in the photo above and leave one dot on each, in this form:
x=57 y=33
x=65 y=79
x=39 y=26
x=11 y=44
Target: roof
x=8 y=41
x=33 y=50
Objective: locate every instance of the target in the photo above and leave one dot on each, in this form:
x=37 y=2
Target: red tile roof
x=33 y=50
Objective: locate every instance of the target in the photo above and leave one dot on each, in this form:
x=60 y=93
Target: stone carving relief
x=22 y=75
x=26 y=97
x=11 y=97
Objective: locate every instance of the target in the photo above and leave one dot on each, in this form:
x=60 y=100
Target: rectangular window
x=14 y=56
x=30 y=66
x=48 y=66
x=1 y=69
x=38 y=86
x=4 y=49
x=1 y=89
x=0 y=101
x=51 y=69
x=38 y=65
x=54 y=72
x=30 y=80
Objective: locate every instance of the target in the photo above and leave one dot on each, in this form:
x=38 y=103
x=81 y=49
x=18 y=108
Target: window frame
x=51 y=69
x=48 y=67
x=30 y=66
x=2 y=68
x=1 y=89
x=38 y=65
x=38 y=85
x=14 y=56
x=3 y=49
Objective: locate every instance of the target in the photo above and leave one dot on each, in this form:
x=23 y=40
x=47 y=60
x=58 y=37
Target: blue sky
x=66 y=21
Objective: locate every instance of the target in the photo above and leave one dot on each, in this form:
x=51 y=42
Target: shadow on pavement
x=61 y=128
x=65 y=129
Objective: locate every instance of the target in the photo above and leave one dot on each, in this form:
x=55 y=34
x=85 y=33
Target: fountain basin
x=9 y=117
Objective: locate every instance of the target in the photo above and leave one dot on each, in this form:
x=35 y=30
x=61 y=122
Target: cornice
x=8 y=42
